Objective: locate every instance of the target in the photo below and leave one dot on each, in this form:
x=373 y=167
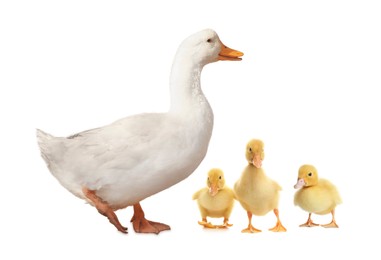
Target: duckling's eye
x=209 y=40
x=309 y=174
x=220 y=177
x=250 y=149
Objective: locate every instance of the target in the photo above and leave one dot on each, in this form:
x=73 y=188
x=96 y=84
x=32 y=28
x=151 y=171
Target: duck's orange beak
x=229 y=54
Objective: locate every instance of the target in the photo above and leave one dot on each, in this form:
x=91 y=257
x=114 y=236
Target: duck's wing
x=130 y=138
x=121 y=146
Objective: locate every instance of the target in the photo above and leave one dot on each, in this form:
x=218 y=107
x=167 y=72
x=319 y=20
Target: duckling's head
x=205 y=47
x=215 y=181
x=307 y=176
x=255 y=153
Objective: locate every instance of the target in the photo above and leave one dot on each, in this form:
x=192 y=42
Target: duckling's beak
x=229 y=54
x=301 y=183
x=213 y=190
x=257 y=160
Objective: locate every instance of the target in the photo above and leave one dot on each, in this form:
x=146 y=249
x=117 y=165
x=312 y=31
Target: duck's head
x=307 y=176
x=205 y=47
x=255 y=153
x=215 y=181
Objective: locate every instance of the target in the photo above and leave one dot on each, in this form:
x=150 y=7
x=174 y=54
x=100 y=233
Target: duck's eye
x=309 y=174
x=250 y=149
x=209 y=40
x=220 y=178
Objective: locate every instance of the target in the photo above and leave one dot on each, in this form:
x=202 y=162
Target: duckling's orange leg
x=250 y=228
x=333 y=222
x=203 y=222
x=278 y=227
x=207 y=224
x=226 y=223
x=142 y=225
x=104 y=209
x=309 y=222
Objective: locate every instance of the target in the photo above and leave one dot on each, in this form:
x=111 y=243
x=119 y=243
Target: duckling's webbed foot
x=142 y=225
x=211 y=226
x=278 y=226
x=309 y=222
x=207 y=224
x=333 y=222
x=226 y=223
x=250 y=228
x=331 y=225
x=104 y=209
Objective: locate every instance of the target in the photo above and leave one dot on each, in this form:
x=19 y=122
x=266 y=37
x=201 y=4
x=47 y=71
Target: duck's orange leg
x=250 y=228
x=142 y=225
x=333 y=222
x=104 y=209
x=309 y=222
x=278 y=226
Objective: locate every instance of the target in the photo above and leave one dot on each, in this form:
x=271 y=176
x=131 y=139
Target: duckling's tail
x=43 y=140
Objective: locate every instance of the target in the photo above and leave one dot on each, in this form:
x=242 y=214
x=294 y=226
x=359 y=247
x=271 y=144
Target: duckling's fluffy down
x=319 y=199
x=256 y=192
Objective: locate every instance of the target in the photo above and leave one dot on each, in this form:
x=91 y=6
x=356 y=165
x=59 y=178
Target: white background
x=308 y=86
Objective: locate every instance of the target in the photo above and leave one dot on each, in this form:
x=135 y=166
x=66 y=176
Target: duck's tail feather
x=43 y=139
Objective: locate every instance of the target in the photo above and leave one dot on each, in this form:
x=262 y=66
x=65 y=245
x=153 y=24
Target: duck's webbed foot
x=142 y=225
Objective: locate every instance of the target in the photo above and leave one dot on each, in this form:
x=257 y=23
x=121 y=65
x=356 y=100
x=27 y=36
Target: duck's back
x=320 y=199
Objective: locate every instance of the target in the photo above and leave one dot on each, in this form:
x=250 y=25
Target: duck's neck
x=185 y=87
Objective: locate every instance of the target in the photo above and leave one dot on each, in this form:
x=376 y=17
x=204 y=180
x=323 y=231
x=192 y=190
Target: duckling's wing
x=277 y=187
x=231 y=193
x=197 y=194
x=332 y=190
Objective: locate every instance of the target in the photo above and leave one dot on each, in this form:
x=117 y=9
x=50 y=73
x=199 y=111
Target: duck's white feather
x=140 y=155
x=130 y=159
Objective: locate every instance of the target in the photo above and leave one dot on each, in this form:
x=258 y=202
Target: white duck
x=119 y=165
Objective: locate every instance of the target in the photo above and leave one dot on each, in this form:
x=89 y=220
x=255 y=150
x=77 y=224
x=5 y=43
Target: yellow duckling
x=216 y=200
x=257 y=193
x=316 y=195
